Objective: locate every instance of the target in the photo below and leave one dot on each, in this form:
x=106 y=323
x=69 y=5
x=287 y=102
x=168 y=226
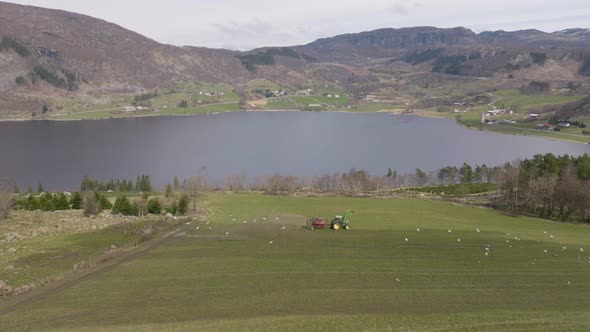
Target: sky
x=244 y=25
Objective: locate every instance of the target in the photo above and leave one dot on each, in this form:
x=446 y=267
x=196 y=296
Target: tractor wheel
x=346 y=227
x=336 y=226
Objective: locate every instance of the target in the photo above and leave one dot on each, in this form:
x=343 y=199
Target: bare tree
x=91 y=204
x=5 y=202
x=193 y=187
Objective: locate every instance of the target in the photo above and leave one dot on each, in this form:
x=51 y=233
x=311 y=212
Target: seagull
x=276 y=218
x=226 y=233
x=551 y=236
x=269 y=242
x=545 y=251
x=507 y=241
x=210 y=227
x=581 y=250
x=264 y=219
x=197 y=227
x=569 y=283
x=477 y=229
x=487 y=249
x=486 y=253
x=449 y=231
x=245 y=222
x=406 y=239
x=283 y=227
x=417 y=229
x=563 y=248
x=188 y=223
x=397 y=279
x=234 y=219
x=459 y=240
x=545 y=232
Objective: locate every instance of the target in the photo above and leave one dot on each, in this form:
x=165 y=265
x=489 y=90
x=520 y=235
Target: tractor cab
x=341 y=222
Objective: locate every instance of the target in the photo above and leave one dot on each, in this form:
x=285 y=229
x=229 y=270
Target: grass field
x=228 y=275
x=513 y=99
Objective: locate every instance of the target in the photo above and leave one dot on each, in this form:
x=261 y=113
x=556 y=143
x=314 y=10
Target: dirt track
x=128 y=255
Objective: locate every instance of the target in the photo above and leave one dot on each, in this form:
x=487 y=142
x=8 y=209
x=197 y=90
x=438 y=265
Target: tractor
x=338 y=223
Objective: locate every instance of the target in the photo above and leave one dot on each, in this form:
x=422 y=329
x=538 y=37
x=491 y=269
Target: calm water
x=252 y=143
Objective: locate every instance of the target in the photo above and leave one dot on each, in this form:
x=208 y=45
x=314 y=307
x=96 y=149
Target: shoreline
x=391 y=111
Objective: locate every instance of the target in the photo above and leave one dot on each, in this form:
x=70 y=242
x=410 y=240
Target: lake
x=59 y=154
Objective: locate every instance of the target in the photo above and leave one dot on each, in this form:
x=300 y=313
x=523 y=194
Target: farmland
x=407 y=264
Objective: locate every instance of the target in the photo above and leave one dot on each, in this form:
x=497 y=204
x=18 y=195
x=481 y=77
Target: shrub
x=183 y=205
x=76 y=201
x=154 y=206
x=91 y=205
x=122 y=206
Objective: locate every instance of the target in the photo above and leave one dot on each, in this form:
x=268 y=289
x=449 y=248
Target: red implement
x=316 y=223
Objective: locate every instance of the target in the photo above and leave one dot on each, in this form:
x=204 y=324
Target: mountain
x=46 y=54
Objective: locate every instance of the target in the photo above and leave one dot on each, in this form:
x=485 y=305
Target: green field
x=513 y=99
x=228 y=275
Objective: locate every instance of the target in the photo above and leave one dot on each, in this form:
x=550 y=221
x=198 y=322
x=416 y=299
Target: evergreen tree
x=60 y=201
x=173 y=208
x=154 y=206
x=33 y=203
x=176 y=183
x=122 y=206
x=15 y=189
x=168 y=190
x=103 y=201
x=40 y=188
x=183 y=205
x=76 y=201
x=123 y=185
x=46 y=202
x=130 y=186
x=138 y=183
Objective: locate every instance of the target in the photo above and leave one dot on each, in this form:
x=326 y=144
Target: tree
x=91 y=204
x=129 y=186
x=60 y=201
x=466 y=173
x=122 y=206
x=40 y=188
x=5 y=203
x=45 y=109
x=176 y=183
x=46 y=202
x=154 y=206
x=33 y=203
x=104 y=202
x=183 y=104
x=168 y=190
x=183 y=205
x=76 y=201
x=192 y=187
x=421 y=177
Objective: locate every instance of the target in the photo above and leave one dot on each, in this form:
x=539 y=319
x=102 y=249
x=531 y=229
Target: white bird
x=459 y=240
x=283 y=227
x=244 y=222
x=210 y=227
x=417 y=229
x=197 y=227
x=581 y=250
x=545 y=251
x=477 y=262
x=406 y=239
x=234 y=219
x=188 y=223
x=569 y=283
x=551 y=236
x=486 y=253
x=510 y=246
x=254 y=221
x=563 y=248
x=397 y=279
x=269 y=242
x=264 y=219
x=276 y=218
x=545 y=232
x=507 y=241
x=226 y=233
x=477 y=230
x=449 y=231
x=487 y=249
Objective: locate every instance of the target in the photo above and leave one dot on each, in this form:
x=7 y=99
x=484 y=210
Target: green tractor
x=341 y=222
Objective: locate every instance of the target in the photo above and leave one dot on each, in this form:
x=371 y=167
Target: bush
x=183 y=205
x=122 y=206
x=154 y=206
x=91 y=205
x=103 y=201
x=76 y=201
x=60 y=202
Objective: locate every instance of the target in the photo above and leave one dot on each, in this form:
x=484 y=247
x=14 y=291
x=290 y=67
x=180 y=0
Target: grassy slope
x=326 y=280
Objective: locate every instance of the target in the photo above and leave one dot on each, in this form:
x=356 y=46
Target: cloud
x=403 y=7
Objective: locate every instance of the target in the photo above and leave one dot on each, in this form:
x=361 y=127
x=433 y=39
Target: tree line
x=143 y=183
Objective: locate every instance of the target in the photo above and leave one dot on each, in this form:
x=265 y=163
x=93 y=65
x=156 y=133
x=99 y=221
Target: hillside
x=48 y=55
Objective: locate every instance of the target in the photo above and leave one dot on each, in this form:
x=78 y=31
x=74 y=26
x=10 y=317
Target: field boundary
x=52 y=288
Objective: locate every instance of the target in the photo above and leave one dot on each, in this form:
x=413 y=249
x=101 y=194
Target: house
x=533 y=115
x=315 y=105
x=545 y=127
x=564 y=124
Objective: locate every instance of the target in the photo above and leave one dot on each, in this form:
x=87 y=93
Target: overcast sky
x=239 y=24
